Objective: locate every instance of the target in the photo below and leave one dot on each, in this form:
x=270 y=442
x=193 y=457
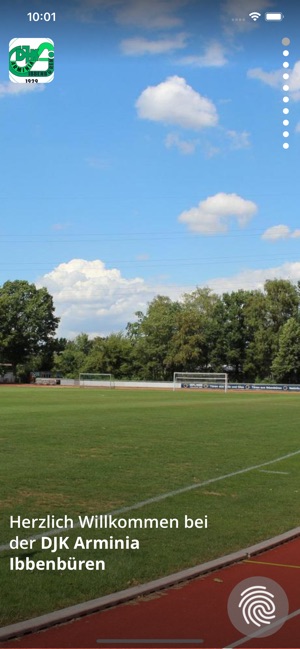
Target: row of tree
x=254 y=335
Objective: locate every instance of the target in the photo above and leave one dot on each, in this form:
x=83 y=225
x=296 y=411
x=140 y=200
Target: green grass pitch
x=93 y=451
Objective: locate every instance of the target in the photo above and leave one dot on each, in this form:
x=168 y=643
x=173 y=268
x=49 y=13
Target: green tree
x=283 y=300
x=259 y=338
x=27 y=323
x=267 y=313
x=194 y=337
x=151 y=336
x=286 y=364
x=71 y=357
x=250 y=326
x=234 y=333
x=110 y=355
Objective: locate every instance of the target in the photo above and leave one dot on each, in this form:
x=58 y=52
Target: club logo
x=31 y=60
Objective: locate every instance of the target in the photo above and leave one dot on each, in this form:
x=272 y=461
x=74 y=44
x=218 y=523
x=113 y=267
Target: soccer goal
x=208 y=380
x=87 y=380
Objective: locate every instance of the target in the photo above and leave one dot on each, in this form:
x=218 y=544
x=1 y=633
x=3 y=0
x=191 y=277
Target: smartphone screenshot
x=149 y=324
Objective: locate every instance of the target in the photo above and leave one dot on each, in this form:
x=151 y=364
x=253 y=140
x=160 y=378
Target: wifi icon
x=255 y=15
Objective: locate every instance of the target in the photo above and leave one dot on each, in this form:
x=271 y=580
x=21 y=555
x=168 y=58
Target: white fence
x=168 y=385
x=125 y=384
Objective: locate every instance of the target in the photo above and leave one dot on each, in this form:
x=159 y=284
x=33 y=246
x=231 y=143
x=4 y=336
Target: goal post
x=206 y=380
x=88 y=380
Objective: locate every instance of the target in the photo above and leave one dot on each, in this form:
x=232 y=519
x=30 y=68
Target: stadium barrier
x=284 y=387
x=245 y=386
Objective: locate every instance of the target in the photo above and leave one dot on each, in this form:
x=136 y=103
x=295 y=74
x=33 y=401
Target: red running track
x=195 y=610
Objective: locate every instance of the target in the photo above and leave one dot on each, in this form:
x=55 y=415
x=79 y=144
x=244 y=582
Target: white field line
x=170 y=494
x=260 y=632
x=277 y=472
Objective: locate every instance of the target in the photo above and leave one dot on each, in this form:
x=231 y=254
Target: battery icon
x=274 y=16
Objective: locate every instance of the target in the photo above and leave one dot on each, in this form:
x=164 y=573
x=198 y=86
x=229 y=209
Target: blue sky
x=154 y=161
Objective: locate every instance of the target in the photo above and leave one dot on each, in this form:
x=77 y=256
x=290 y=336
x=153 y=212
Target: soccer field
x=232 y=458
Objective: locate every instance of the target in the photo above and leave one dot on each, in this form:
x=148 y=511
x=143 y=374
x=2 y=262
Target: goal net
x=205 y=380
x=87 y=380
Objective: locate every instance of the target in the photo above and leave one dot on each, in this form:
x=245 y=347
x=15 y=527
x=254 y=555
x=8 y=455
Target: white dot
x=286 y=64
x=286 y=75
x=285 y=122
x=286 y=145
x=285 y=134
x=285 y=52
x=286 y=100
x=285 y=87
x=286 y=111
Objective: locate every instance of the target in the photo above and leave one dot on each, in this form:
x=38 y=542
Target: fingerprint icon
x=257 y=605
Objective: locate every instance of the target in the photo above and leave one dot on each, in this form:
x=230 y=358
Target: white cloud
x=187 y=147
x=235 y=14
x=139 y=46
x=238 y=9
x=86 y=11
x=250 y=279
x=277 y=232
x=175 y=102
x=214 y=56
x=148 y=14
x=210 y=151
x=294 y=82
x=213 y=215
x=92 y=298
x=10 y=88
x=275 y=80
x=239 y=140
